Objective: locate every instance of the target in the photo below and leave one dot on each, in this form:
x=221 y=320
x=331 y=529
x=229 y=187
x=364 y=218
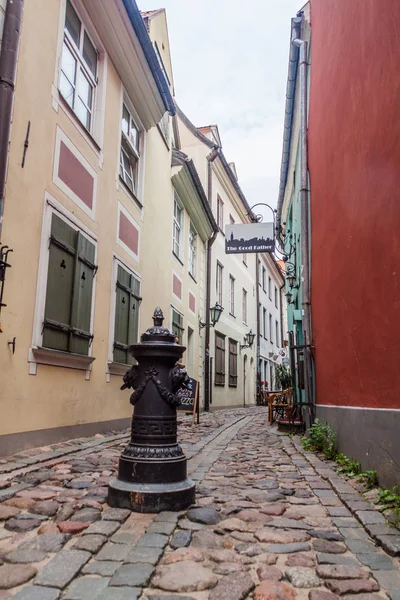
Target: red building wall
x=354 y=161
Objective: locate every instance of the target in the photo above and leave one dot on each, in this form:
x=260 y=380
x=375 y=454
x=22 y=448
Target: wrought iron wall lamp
x=215 y=313
x=248 y=340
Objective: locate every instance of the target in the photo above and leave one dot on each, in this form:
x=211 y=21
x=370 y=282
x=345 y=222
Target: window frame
x=219 y=282
x=270 y=329
x=137 y=298
x=269 y=288
x=80 y=65
x=37 y=354
x=232 y=372
x=220 y=213
x=132 y=153
x=276 y=297
x=244 y=306
x=178 y=227
x=231 y=295
x=176 y=325
x=192 y=252
x=277 y=333
x=264 y=278
x=220 y=374
x=265 y=323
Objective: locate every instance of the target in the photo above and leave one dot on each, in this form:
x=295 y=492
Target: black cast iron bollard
x=152 y=468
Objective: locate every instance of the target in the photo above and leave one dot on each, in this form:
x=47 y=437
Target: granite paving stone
x=113 y=551
x=116 y=514
x=86 y=588
x=13 y=575
x=120 y=593
x=91 y=543
x=62 y=568
x=105 y=568
x=152 y=540
x=376 y=561
x=37 y=592
x=132 y=575
x=143 y=555
x=106 y=528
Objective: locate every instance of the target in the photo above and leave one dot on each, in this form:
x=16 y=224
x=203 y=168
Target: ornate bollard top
x=158 y=333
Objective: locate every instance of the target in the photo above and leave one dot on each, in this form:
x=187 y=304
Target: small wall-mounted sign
x=246 y=238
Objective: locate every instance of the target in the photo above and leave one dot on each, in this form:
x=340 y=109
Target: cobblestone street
x=270 y=522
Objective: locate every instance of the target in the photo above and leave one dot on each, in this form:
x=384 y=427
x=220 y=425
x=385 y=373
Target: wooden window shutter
x=69 y=289
x=60 y=283
x=219 y=359
x=232 y=363
x=82 y=297
x=126 y=327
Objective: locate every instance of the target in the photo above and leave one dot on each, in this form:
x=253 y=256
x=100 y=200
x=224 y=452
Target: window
x=277 y=333
x=270 y=329
x=231 y=220
x=245 y=259
x=130 y=151
x=231 y=295
x=126 y=326
x=220 y=269
x=177 y=325
x=164 y=128
x=68 y=305
x=264 y=279
x=276 y=297
x=259 y=273
x=220 y=213
x=192 y=251
x=78 y=77
x=232 y=363
x=177 y=227
x=219 y=359
x=269 y=288
x=265 y=332
x=244 y=306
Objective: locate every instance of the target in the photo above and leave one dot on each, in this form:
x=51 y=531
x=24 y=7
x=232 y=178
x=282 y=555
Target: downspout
x=304 y=212
x=210 y=158
x=282 y=287
x=259 y=377
x=8 y=69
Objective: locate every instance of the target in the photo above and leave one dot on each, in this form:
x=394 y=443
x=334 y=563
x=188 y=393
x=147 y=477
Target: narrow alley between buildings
x=270 y=521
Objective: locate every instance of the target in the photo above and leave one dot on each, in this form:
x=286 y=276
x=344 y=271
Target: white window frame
x=244 y=306
x=179 y=312
x=276 y=297
x=177 y=240
x=271 y=333
x=94 y=137
x=277 y=333
x=231 y=295
x=127 y=148
x=270 y=288
x=219 y=282
x=192 y=255
x=265 y=324
x=37 y=354
x=220 y=213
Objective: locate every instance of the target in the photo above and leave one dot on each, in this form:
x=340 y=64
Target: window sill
x=245 y=264
x=57 y=358
x=77 y=122
x=220 y=230
x=177 y=258
x=219 y=384
x=232 y=315
x=115 y=368
x=191 y=276
x=129 y=193
x=163 y=138
x=234 y=385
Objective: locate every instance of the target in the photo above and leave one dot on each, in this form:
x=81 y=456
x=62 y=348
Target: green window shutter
x=126 y=327
x=60 y=281
x=82 y=297
x=69 y=289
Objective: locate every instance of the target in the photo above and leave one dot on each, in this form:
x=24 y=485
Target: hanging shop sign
x=249 y=237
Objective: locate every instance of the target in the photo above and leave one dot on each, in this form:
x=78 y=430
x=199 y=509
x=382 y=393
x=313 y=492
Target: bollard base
x=151 y=498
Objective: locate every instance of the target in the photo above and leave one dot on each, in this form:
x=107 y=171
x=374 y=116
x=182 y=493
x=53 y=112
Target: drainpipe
x=211 y=157
x=8 y=69
x=282 y=287
x=304 y=212
x=259 y=378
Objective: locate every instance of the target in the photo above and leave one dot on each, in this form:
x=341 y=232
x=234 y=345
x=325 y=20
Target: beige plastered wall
x=57 y=397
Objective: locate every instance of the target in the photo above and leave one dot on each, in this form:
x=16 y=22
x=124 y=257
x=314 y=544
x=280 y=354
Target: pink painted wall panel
x=177 y=286
x=128 y=233
x=72 y=172
x=192 y=302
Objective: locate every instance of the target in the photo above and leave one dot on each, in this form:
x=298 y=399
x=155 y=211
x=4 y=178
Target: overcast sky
x=230 y=61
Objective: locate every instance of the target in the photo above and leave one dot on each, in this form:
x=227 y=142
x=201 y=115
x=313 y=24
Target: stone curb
x=375 y=524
